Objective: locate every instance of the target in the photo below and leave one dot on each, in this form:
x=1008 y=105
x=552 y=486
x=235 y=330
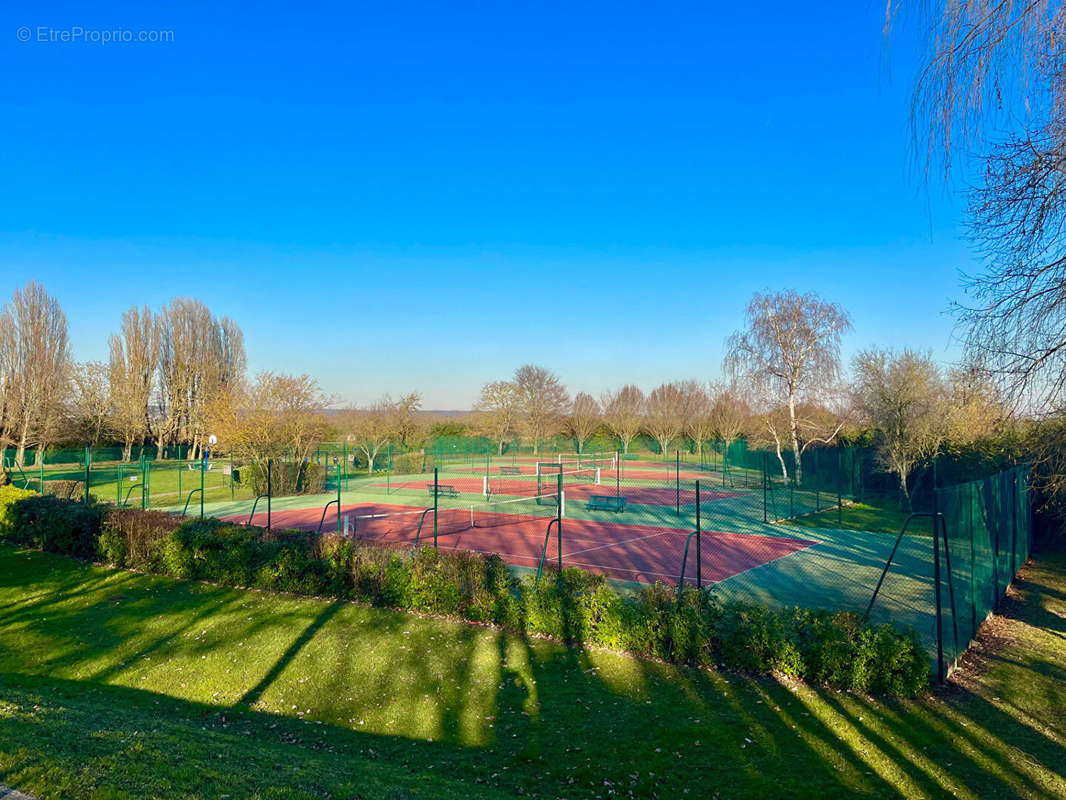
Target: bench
x=606 y=502
x=510 y=470
x=443 y=489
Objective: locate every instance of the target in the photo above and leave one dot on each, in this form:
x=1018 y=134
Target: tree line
x=177 y=375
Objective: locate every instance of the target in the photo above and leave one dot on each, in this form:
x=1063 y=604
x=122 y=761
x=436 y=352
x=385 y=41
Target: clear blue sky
x=406 y=196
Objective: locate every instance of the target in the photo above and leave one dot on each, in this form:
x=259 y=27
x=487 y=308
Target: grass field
x=875 y=514
x=114 y=685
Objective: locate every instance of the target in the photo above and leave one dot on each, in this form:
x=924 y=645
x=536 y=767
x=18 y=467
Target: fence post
x=270 y=472
x=338 y=466
x=764 y=519
x=559 y=516
x=203 y=472
x=436 y=488
x=936 y=584
x=1014 y=526
x=88 y=466
x=677 y=481
x=840 y=487
x=699 y=535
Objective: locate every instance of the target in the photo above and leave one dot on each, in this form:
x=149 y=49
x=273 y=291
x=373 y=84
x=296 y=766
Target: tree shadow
x=252 y=695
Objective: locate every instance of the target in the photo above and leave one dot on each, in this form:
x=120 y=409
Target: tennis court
x=516 y=531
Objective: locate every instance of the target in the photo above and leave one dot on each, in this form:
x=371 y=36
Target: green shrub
x=134 y=538
x=823 y=647
x=54 y=525
x=10 y=494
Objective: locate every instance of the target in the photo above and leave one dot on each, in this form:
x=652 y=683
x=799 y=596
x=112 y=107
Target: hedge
x=836 y=649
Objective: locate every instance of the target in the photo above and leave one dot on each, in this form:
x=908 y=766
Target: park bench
x=443 y=489
x=606 y=502
x=510 y=470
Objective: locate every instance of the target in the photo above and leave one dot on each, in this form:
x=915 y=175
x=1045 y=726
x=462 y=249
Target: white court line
x=619 y=543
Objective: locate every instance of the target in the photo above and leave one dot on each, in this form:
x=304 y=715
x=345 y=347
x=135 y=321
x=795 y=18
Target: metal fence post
x=436 y=506
x=699 y=535
x=764 y=487
x=559 y=516
x=677 y=481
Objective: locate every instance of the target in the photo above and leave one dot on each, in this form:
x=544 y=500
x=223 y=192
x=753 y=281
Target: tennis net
x=395 y=525
x=491 y=515
x=587 y=461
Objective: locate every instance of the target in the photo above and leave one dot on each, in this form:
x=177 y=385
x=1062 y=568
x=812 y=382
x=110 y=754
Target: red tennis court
x=642 y=553
x=642 y=495
x=646 y=495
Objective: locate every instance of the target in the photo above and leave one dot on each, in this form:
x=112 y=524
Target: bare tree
x=199 y=357
x=790 y=351
x=584 y=420
x=133 y=361
x=730 y=414
x=664 y=414
x=406 y=424
x=815 y=424
x=994 y=81
x=369 y=429
x=989 y=65
x=7 y=384
x=40 y=360
x=623 y=412
x=698 y=424
x=91 y=408
x=278 y=415
x=497 y=410
x=905 y=399
x=542 y=402
x=976 y=410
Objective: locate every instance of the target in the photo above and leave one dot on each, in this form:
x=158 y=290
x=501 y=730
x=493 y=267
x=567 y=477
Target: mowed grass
x=114 y=684
x=875 y=514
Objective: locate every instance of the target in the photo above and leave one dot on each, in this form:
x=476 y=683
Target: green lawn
x=876 y=514
x=114 y=684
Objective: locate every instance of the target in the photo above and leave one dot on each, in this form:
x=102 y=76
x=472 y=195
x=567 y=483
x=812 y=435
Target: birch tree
x=623 y=413
x=790 y=352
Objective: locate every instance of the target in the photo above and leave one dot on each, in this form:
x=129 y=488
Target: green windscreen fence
x=988 y=526
x=769 y=528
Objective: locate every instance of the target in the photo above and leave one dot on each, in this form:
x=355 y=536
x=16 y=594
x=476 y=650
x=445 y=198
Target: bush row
x=835 y=649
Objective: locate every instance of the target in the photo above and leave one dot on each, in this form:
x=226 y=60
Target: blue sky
x=407 y=196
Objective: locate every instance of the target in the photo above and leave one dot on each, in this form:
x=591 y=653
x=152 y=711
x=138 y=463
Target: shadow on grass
x=396 y=706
